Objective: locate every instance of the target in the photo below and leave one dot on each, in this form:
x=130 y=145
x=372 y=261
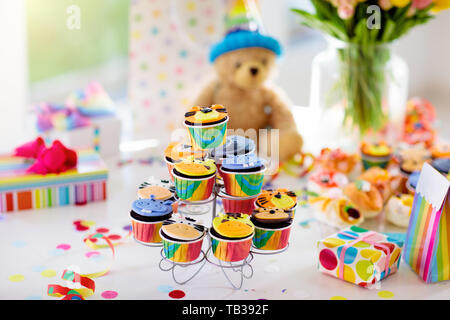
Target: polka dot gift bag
x=359 y=256
x=170 y=42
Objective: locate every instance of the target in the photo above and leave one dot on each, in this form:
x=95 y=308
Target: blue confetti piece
x=19 y=244
x=165 y=288
x=33 y=298
x=38 y=268
x=56 y=252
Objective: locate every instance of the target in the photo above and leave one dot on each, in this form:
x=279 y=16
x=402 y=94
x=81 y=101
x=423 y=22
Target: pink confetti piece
x=91 y=254
x=109 y=294
x=63 y=246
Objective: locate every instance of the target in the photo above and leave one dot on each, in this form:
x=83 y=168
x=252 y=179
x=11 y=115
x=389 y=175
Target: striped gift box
x=20 y=190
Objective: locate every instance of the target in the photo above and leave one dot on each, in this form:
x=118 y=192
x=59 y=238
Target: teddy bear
x=244 y=61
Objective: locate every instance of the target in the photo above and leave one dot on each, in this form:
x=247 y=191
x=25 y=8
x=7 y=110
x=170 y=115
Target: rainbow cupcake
x=243 y=175
x=231 y=237
x=194 y=179
x=182 y=240
x=160 y=189
x=207 y=126
x=244 y=205
x=272 y=228
x=277 y=199
x=147 y=216
x=176 y=152
x=375 y=155
x=234 y=146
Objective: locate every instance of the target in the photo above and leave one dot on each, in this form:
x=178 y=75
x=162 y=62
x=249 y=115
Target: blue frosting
x=234 y=145
x=244 y=39
x=414 y=179
x=152 y=207
x=442 y=165
x=243 y=162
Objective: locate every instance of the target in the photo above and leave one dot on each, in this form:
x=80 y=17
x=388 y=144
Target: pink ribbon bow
x=365 y=237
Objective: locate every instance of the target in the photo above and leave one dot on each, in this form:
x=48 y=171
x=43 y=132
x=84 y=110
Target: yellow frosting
x=194 y=167
x=232 y=226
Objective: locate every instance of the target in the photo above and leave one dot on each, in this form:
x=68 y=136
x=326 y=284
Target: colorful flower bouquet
x=366 y=27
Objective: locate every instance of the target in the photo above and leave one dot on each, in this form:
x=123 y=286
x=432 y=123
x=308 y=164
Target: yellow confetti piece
x=385 y=294
x=191 y=6
x=338 y=298
x=162 y=76
x=16 y=278
x=49 y=273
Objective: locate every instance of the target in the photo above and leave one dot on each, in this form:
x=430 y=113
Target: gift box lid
x=14 y=175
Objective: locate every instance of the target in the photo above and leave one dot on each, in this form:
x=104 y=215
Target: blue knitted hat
x=244 y=31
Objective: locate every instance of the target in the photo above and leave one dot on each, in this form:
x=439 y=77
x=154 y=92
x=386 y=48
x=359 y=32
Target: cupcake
x=365 y=197
x=386 y=183
x=440 y=151
x=147 y=216
x=244 y=205
x=177 y=151
x=375 y=155
x=182 y=240
x=243 y=175
x=336 y=212
x=413 y=159
x=194 y=179
x=277 y=199
x=324 y=181
x=231 y=237
x=160 y=189
x=413 y=179
x=272 y=228
x=398 y=209
x=337 y=160
x=207 y=126
x=442 y=165
x=234 y=146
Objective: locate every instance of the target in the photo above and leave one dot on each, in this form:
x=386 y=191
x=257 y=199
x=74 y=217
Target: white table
x=28 y=241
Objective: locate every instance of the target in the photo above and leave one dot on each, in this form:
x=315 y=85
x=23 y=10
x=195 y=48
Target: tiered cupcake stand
x=234 y=272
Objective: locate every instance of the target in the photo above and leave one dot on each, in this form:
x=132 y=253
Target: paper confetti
x=16 y=278
x=109 y=294
x=385 y=294
x=177 y=294
x=63 y=246
x=48 y=273
x=338 y=298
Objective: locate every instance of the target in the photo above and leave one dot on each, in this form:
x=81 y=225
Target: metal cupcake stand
x=234 y=272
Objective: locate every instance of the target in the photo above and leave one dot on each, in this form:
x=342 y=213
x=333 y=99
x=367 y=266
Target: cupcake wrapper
x=231 y=251
x=265 y=239
x=245 y=206
x=369 y=162
x=170 y=166
x=208 y=137
x=194 y=190
x=182 y=252
x=243 y=185
x=146 y=232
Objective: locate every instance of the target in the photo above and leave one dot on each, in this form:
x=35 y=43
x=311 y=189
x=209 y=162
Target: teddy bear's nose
x=254 y=71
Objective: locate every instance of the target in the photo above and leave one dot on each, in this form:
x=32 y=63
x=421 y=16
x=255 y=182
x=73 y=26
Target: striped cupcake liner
x=271 y=239
x=243 y=184
x=208 y=137
x=244 y=205
x=146 y=232
x=182 y=252
x=231 y=250
x=369 y=162
x=194 y=189
x=170 y=167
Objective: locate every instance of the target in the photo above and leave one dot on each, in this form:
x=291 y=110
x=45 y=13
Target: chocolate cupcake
x=272 y=228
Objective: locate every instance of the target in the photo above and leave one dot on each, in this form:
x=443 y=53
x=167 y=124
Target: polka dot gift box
x=359 y=256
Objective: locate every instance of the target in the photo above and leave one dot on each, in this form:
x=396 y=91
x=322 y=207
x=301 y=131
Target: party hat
x=244 y=30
